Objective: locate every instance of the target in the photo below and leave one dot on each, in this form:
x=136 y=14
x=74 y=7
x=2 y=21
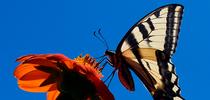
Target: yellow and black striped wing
x=159 y=30
x=148 y=46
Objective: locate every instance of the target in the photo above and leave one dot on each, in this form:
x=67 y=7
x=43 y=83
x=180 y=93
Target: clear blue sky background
x=66 y=26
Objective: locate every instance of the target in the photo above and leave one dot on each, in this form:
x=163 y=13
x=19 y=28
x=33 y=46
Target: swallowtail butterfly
x=147 y=49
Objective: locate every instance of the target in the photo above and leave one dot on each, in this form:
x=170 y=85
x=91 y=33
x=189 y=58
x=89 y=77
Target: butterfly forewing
x=147 y=47
x=158 y=29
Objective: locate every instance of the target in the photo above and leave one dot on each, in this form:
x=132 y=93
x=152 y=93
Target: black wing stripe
x=131 y=40
x=138 y=57
x=150 y=24
x=169 y=46
x=157 y=13
x=143 y=31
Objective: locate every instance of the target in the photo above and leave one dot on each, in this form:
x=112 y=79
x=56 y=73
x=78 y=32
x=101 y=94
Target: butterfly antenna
x=98 y=37
x=102 y=37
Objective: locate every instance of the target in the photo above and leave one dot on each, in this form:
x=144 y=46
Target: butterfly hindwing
x=125 y=77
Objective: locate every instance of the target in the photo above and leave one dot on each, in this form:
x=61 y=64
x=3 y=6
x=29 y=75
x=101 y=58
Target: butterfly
x=146 y=49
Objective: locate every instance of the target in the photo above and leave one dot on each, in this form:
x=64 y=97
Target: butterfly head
x=111 y=55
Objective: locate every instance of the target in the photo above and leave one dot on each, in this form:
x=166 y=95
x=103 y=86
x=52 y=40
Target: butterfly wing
x=125 y=76
x=148 y=46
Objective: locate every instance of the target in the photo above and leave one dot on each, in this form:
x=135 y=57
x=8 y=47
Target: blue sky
x=64 y=26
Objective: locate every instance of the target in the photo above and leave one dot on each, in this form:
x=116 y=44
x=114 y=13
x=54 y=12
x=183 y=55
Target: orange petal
x=23 y=58
x=58 y=57
x=35 y=74
x=43 y=62
x=54 y=57
x=69 y=64
x=30 y=79
x=23 y=69
x=24 y=85
x=52 y=95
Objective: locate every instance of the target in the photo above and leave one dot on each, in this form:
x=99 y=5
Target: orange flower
x=61 y=77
